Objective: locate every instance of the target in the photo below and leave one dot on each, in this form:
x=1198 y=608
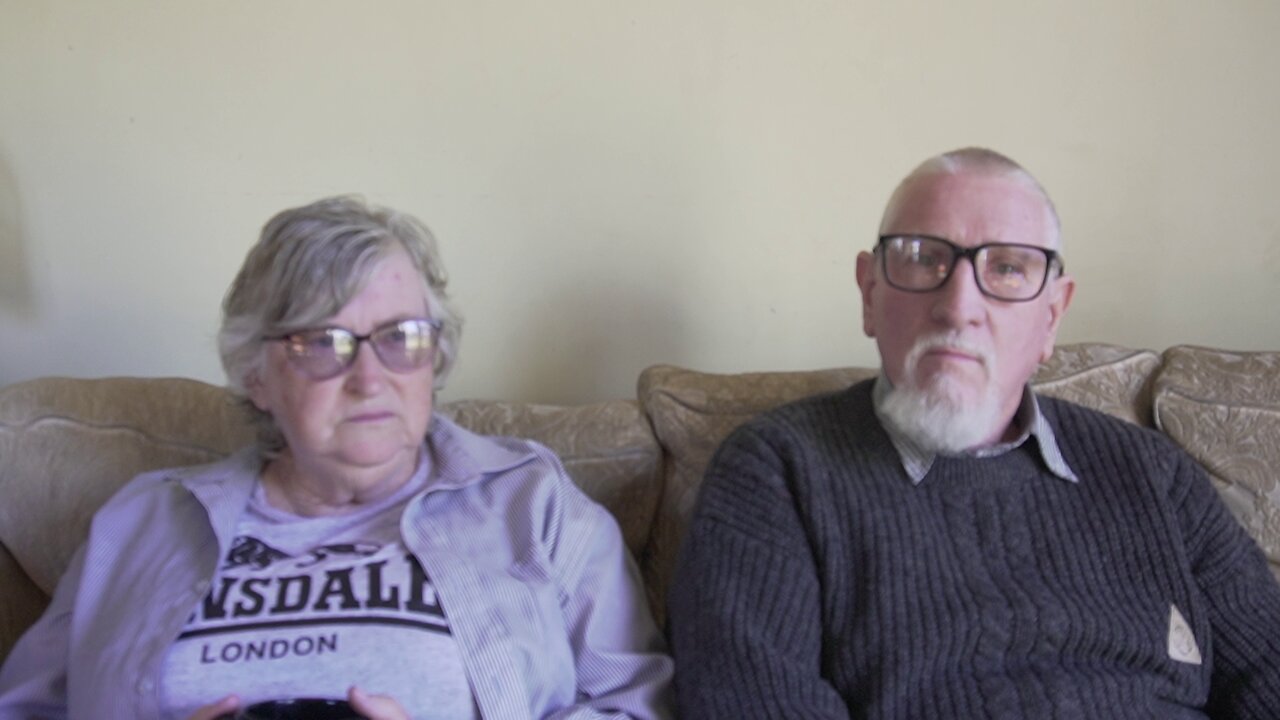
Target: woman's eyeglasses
x=323 y=353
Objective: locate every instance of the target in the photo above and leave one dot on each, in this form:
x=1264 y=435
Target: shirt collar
x=461 y=457
x=917 y=461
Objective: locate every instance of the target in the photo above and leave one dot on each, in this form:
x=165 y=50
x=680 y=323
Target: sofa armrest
x=1223 y=408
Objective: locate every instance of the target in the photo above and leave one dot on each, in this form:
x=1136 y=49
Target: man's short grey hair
x=308 y=263
x=976 y=160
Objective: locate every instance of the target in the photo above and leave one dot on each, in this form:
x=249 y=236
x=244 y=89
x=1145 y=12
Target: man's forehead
x=971 y=207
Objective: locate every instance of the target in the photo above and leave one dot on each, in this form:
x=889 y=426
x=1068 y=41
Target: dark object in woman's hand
x=298 y=709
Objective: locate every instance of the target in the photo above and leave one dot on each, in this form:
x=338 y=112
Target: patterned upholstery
x=606 y=447
x=1109 y=378
x=1224 y=409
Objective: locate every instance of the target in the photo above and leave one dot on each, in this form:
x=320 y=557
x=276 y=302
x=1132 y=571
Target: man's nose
x=960 y=301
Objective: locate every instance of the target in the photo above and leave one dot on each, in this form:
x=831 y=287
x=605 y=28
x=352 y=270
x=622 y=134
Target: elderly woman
x=365 y=548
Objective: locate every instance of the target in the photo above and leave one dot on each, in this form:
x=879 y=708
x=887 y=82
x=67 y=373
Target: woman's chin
x=375 y=458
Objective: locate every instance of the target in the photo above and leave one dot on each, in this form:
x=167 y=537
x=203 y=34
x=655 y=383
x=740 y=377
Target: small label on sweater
x=1182 y=642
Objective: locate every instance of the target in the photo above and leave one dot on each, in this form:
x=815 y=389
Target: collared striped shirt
x=916 y=461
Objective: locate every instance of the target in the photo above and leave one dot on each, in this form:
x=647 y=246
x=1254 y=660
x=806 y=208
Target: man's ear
x=866 y=273
x=1061 y=290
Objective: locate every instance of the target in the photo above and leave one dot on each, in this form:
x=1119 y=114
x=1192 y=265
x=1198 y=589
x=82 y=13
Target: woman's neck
x=313 y=490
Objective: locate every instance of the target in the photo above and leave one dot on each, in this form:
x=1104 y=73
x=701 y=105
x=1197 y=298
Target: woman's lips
x=369 y=417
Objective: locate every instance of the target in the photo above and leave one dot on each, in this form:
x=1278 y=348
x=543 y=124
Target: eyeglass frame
x=1053 y=259
x=436 y=326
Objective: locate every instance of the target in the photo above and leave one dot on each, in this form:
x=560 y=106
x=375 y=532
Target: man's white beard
x=938 y=415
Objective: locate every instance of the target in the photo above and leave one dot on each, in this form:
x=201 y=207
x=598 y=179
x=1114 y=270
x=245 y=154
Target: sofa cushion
x=1224 y=409
x=1110 y=378
x=692 y=412
x=606 y=447
x=69 y=444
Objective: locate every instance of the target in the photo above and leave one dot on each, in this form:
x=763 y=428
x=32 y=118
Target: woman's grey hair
x=308 y=263
x=978 y=160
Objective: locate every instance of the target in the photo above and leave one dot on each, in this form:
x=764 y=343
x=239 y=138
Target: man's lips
x=953 y=355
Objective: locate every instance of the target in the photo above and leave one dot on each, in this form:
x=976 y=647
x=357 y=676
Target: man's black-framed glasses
x=323 y=353
x=1004 y=271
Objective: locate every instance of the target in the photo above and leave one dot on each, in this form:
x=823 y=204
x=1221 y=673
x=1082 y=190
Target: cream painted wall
x=619 y=184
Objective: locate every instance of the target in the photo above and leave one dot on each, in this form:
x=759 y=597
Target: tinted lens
x=917 y=263
x=406 y=345
x=1012 y=272
x=321 y=354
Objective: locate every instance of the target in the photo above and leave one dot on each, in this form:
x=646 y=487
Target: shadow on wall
x=16 y=296
x=589 y=339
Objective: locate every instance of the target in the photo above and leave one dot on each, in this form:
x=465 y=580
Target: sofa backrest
x=68 y=444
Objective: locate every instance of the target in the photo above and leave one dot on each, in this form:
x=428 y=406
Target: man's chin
x=947 y=417
x=961 y=395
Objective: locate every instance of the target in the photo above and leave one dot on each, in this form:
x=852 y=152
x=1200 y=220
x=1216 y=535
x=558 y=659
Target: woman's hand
x=375 y=707
x=225 y=706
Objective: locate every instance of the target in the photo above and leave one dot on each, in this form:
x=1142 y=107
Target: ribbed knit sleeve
x=745 y=605
x=1243 y=602
x=1237 y=591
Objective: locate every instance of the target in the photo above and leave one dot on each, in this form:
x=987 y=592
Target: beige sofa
x=66 y=445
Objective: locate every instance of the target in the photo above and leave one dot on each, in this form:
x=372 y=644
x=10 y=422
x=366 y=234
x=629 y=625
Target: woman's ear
x=255 y=391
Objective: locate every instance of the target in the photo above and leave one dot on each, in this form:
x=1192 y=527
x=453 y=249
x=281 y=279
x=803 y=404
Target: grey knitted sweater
x=817 y=582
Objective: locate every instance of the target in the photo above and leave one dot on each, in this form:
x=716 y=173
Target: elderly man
x=942 y=543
